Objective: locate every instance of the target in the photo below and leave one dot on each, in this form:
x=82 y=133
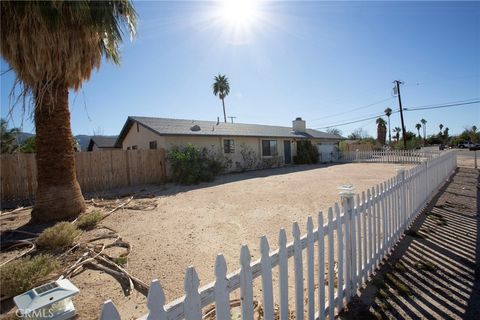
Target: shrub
x=190 y=165
x=89 y=221
x=59 y=236
x=23 y=274
x=307 y=153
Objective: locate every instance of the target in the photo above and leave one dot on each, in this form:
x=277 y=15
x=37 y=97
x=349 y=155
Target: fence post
x=347 y=193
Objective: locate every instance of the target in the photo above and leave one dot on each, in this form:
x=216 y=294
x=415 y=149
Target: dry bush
x=59 y=236
x=23 y=274
x=89 y=221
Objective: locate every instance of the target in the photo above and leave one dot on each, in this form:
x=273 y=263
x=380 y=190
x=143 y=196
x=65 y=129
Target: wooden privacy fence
x=386 y=156
x=96 y=171
x=366 y=228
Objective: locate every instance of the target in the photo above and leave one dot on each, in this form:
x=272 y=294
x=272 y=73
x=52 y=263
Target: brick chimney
x=299 y=125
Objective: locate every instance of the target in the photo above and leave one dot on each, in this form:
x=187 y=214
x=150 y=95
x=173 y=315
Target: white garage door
x=326 y=151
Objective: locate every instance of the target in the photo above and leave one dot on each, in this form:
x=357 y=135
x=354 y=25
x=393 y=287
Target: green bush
x=89 y=221
x=59 y=236
x=190 y=165
x=307 y=153
x=23 y=274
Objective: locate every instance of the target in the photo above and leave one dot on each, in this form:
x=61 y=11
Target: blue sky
x=326 y=62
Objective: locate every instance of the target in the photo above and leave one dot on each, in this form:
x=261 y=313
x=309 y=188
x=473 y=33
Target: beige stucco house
x=235 y=141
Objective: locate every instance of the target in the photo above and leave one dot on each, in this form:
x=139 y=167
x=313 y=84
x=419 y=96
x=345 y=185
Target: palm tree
x=441 y=127
x=418 y=126
x=381 y=130
x=388 y=113
x=54 y=46
x=424 y=123
x=397 y=131
x=221 y=87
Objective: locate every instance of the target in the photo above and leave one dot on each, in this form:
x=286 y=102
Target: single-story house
x=237 y=141
x=98 y=143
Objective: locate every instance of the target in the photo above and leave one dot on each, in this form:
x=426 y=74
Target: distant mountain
x=22 y=136
x=83 y=141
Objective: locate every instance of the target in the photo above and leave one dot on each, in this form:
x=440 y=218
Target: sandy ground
x=466 y=158
x=192 y=224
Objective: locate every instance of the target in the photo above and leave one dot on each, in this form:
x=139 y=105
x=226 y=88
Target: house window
x=269 y=148
x=134 y=147
x=229 y=146
x=128 y=148
x=153 y=144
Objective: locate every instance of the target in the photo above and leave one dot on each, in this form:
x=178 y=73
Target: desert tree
x=418 y=126
x=424 y=124
x=381 y=130
x=221 y=88
x=388 y=113
x=53 y=46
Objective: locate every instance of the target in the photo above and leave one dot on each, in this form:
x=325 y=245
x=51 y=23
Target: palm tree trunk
x=224 y=114
x=389 y=132
x=58 y=195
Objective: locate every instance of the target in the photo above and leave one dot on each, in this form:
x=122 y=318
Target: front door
x=287 y=151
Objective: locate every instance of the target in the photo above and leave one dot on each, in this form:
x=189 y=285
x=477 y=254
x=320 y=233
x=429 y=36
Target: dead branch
x=21 y=242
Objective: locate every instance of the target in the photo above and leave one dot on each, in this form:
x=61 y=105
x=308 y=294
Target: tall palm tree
x=221 y=87
x=397 y=131
x=388 y=113
x=418 y=126
x=441 y=127
x=424 y=123
x=381 y=130
x=54 y=46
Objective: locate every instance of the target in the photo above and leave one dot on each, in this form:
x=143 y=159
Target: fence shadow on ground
x=434 y=272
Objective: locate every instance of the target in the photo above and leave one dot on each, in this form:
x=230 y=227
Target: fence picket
x=358 y=214
x=365 y=238
x=283 y=274
x=266 y=279
x=353 y=237
x=109 y=311
x=192 y=303
x=310 y=269
x=331 y=271
x=341 y=254
x=155 y=302
x=222 y=299
x=246 y=285
x=298 y=267
x=321 y=267
x=370 y=233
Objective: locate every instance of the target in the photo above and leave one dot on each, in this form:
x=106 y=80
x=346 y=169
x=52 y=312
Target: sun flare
x=239 y=12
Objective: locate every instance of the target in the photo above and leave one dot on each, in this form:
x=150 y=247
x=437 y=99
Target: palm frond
x=53 y=42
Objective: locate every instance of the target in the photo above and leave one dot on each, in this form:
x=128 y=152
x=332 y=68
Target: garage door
x=326 y=151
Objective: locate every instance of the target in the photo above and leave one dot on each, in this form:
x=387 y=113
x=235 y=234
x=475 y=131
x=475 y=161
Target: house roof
x=164 y=126
x=102 y=142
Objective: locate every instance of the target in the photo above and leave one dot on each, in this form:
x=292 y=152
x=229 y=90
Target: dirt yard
x=190 y=225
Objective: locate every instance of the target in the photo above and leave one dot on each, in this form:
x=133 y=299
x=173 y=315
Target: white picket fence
x=366 y=228
x=387 y=156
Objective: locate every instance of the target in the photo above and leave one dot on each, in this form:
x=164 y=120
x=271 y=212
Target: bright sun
x=239 y=13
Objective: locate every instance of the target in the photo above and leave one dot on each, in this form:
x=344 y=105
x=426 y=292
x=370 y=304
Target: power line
x=354 y=109
x=355 y=121
x=438 y=106
x=442 y=106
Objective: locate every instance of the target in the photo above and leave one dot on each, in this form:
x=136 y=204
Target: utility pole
x=231 y=119
x=397 y=84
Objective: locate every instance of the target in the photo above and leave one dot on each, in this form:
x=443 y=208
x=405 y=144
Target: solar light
x=51 y=301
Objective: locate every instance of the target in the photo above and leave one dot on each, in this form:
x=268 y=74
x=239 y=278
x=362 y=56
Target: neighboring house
x=236 y=141
x=98 y=143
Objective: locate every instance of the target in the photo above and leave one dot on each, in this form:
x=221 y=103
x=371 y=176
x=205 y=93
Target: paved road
x=434 y=272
